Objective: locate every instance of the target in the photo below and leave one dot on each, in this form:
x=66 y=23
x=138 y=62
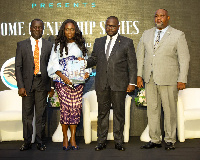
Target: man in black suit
x=116 y=73
x=33 y=81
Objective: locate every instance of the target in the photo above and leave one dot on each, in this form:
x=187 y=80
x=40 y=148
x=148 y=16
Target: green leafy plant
x=54 y=100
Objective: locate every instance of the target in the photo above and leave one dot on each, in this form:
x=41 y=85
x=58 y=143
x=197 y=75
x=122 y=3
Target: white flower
x=140 y=99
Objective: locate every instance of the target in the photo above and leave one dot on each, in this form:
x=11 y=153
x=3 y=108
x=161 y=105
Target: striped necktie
x=157 y=40
x=36 y=58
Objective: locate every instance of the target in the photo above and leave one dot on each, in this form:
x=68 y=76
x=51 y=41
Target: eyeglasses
x=111 y=26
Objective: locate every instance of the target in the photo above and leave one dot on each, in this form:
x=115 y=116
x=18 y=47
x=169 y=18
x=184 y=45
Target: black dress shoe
x=41 y=147
x=100 y=146
x=119 y=147
x=150 y=145
x=169 y=146
x=25 y=146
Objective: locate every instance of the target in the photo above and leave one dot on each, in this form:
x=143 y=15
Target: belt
x=37 y=75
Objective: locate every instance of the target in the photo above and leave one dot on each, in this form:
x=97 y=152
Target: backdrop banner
x=134 y=16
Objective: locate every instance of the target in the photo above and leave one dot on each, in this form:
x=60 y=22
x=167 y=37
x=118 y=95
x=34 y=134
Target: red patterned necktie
x=36 y=58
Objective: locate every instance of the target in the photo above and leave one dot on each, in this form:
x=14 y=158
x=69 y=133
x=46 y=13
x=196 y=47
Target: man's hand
x=139 y=82
x=22 y=92
x=80 y=58
x=130 y=88
x=86 y=75
x=51 y=93
x=181 y=85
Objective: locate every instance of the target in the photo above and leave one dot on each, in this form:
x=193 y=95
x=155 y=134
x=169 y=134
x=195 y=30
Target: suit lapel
x=42 y=49
x=166 y=35
x=116 y=46
x=29 y=48
x=152 y=37
x=103 y=43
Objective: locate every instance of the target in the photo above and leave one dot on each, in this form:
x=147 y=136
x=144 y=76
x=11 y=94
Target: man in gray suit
x=115 y=61
x=33 y=84
x=163 y=62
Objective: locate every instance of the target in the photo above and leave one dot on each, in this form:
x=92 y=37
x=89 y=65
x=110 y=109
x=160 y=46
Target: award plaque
x=76 y=70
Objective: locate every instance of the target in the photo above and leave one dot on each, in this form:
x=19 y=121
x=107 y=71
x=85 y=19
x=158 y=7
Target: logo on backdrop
x=8 y=74
x=63 y=5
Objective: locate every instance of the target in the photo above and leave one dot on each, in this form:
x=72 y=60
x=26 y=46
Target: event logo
x=61 y=5
x=8 y=74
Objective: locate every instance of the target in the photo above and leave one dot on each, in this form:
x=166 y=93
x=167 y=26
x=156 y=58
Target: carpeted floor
x=189 y=150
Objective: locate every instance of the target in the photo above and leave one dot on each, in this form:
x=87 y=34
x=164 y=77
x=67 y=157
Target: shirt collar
x=163 y=30
x=33 y=40
x=113 y=37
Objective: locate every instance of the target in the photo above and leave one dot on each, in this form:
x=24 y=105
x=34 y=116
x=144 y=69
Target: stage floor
x=189 y=150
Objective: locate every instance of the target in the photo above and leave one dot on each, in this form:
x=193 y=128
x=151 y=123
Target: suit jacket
x=24 y=64
x=169 y=61
x=119 y=70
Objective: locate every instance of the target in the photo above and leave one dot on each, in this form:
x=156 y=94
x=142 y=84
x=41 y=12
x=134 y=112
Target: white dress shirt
x=114 y=38
x=161 y=33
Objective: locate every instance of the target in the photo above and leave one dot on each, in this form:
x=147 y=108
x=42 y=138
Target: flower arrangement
x=140 y=99
x=54 y=100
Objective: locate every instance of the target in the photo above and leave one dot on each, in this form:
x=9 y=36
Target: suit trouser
x=38 y=98
x=167 y=95
x=105 y=99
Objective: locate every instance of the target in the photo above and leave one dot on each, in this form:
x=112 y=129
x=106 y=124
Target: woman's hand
x=67 y=81
x=64 y=78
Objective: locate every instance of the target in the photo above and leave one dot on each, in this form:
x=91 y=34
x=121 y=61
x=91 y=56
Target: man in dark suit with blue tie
x=33 y=81
x=116 y=73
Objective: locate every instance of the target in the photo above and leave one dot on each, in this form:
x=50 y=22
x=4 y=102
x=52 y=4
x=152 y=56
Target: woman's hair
x=62 y=39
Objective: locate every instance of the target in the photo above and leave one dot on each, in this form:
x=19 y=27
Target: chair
x=90 y=112
x=11 y=127
x=145 y=135
x=10 y=116
x=58 y=134
x=188 y=114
